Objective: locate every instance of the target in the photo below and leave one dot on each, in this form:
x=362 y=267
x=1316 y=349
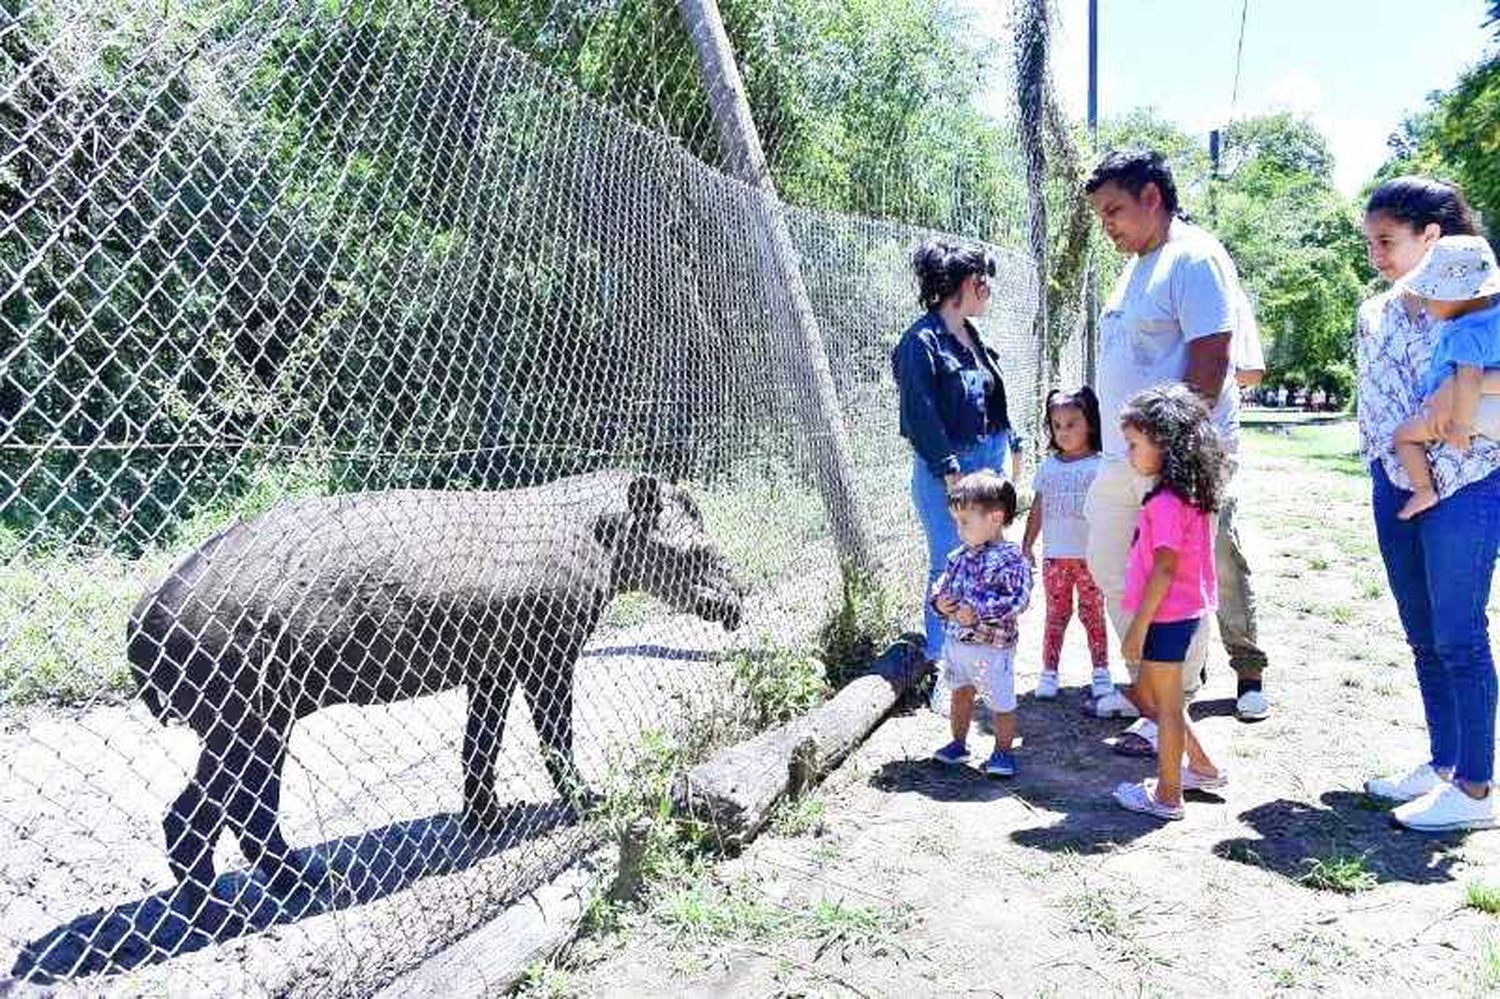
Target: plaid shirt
x=995 y=580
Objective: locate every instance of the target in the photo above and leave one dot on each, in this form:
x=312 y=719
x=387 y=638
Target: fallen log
x=736 y=791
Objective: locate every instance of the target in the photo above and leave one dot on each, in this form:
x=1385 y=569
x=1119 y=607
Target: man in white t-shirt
x=1171 y=317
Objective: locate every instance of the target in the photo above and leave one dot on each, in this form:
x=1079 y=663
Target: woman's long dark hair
x=1192 y=460
x=1422 y=201
x=1086 y=402
x=942 y=265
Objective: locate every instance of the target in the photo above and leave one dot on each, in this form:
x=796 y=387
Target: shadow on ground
x=1293 y=835
x=362 y=868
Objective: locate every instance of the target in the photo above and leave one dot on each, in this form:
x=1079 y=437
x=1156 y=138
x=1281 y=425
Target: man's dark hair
x=1133 y=169
x=986 y=491
x=942 y=264
x=1422 y=201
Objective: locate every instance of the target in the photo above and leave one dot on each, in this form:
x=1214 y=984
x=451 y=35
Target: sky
x=1355 y=67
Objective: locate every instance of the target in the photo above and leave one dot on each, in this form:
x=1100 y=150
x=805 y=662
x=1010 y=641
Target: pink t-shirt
x=1168 y=521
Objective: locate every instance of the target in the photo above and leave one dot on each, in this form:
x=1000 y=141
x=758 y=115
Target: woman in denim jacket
x=952 y=396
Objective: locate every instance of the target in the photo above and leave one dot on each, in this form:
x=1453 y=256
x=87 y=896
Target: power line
x=1239 y=53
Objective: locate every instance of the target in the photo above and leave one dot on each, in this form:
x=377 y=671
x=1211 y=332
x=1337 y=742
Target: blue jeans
x=1439 y=566
x=929 y=494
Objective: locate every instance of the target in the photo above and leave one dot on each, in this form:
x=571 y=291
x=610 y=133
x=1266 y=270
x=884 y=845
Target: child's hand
x=965 y=616
x=945 y=605
x=1030 y=556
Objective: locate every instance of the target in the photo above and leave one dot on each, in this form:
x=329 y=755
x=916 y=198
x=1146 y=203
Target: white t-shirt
x=1184 y=290
x=1063 y=486
x=1245 y=351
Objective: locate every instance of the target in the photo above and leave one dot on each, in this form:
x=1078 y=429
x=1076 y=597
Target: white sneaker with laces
x=1252 y=705
x=1446 y=808
x=1103 y=684
x=1418 y=782
x=1046 y=685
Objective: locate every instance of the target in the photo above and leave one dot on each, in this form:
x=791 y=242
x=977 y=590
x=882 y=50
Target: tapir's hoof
x=486 y=818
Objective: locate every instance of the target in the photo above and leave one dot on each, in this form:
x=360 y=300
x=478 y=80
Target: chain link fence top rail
x=357 y=369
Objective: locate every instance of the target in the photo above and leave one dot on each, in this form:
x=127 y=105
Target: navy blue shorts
x=1168 y=641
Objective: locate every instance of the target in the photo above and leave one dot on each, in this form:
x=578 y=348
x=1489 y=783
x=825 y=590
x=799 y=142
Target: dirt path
x=919 y=881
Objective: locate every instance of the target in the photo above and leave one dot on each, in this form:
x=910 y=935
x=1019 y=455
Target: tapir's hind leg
x=193 y=823
x=256 y=759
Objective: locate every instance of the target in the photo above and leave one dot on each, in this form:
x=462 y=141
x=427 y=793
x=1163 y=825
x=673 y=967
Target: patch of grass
x=1094 y=913
x=1317 y=563
x=764 y=521
x=1344 y=873
x=1485 y=898
x=834 y=923
x=800 y=816
x=1372 y=589
x=546 y=981
x=629 y=610
x=859 y=627
x=1385 y=688
x=1486 y=972
x=701 y=913
x=779 y=683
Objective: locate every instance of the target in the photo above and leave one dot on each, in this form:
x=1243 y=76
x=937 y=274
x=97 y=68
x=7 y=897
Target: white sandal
x=1138 y=797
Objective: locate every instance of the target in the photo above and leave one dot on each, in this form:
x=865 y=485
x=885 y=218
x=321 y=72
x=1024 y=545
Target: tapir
x=378 y=597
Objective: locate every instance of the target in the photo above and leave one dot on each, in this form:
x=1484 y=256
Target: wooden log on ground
x=736 y=791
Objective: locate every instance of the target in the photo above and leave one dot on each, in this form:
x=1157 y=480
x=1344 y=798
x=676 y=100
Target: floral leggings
x=1060 y=576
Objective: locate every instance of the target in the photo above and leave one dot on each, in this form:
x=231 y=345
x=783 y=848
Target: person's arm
x=1033 y=528
x=1163 y=567
x=1208 y=365
x=1468 y=382
x=916 y=380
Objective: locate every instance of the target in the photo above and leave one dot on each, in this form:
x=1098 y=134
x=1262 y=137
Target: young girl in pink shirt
x=1169 y=581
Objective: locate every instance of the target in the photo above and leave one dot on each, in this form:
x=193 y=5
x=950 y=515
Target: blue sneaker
x=952 y=754
x=1000 y=764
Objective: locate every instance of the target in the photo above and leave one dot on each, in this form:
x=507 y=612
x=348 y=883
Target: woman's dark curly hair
x=1086 y=402
x=1192 y=460
x=942 y=264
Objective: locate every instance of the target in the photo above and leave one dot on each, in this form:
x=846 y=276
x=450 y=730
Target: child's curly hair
x=1175 y=419
x=1086 y=402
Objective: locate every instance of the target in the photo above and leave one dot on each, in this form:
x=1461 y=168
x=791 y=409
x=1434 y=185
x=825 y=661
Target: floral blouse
x=1394 y=348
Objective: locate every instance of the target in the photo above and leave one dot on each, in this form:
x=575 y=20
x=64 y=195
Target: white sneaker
x=1103 y=684
x=1252 y=706
x=1415 y=784
x=1046 y=685
x=1111 y=705
x=1446 y=809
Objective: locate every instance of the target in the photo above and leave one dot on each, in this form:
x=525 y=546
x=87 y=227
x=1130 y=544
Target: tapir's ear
x=645 y=498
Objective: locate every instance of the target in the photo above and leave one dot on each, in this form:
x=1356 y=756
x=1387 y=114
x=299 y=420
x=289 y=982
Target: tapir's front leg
x=548 y=678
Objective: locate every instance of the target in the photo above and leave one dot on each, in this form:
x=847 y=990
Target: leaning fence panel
x=395 y=444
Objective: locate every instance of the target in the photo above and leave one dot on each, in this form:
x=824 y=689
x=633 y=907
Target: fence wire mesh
x=360 y=365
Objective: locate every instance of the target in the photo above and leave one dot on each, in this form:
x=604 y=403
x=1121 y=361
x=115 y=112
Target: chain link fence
x=362 y=365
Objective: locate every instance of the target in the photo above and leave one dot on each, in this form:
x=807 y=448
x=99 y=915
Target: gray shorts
x=989 y=669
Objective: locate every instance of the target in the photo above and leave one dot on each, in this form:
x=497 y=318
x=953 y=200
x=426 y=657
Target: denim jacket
x=944 y=405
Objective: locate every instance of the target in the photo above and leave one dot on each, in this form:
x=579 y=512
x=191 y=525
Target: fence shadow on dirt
x=362 y=868
x=1295 y=835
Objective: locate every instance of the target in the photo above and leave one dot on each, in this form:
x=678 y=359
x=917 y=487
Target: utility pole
x=1091 y=276
x=805 y=357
